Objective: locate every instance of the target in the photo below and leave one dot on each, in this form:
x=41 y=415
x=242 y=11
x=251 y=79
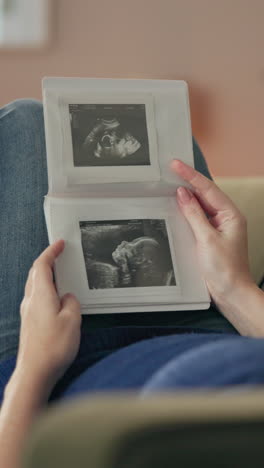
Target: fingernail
x=174 y=162
x=184 y=195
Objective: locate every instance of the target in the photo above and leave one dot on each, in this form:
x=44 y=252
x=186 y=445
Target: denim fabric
x=180 y=361
x=23 y=182
x=130 y=367
x=97 y=345
x=23 y=236
x=215 y=361
x=200 y=163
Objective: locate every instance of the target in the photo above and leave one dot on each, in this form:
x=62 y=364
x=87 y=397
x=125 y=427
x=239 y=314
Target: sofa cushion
x=248 y=194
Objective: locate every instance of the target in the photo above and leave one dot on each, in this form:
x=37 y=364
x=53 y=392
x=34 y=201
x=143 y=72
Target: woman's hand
x=50 y=327
x=49 y=342
x=221 y=236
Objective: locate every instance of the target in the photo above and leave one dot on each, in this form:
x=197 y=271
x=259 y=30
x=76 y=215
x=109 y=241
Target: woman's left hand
x=50 y=327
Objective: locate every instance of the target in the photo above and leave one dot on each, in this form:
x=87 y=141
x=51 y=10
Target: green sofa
x=248 y=195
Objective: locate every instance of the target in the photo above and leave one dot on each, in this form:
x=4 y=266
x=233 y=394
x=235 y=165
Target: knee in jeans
x=22 y=125
x=23 y=113
x=27 y=108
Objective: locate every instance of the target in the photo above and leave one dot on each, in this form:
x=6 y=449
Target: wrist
x=27 y=383
x=244 y=308
x=237 y=294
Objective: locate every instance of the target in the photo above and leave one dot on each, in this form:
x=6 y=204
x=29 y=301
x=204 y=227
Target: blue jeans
x=176 y=362
x=23 y=236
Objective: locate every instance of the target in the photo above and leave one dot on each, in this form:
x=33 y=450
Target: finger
x=41 y=274
x=44 y=289
x=212 y=198
x=206 y=206
x=70 y=303
x=50 y=254
x=194 y=214
x=42 y=267
x=70 y=300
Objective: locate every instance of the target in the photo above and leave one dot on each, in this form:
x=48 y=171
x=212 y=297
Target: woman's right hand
x=220 y=231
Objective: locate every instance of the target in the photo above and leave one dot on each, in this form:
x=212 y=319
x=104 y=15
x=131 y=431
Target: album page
x=125 y=255
x=115 y=136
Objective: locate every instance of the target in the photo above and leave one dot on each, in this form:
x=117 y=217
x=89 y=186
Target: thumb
x=70 y=302
x=194 y=213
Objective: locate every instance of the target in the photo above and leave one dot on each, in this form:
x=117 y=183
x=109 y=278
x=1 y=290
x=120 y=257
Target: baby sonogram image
x=127 y=253
x=109 y=135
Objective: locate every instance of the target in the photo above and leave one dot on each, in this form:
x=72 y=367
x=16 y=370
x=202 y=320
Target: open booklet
x=112 y=194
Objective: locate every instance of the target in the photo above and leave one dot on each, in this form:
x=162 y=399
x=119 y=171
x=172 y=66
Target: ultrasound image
x=109 y=134
x=127 y=253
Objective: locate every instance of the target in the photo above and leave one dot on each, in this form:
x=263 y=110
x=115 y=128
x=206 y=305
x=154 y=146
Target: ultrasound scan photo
x=109 y=134
x=127 y=253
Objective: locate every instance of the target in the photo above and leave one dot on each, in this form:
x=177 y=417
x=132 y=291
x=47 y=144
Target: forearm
x=245 y=310
x=24 y=398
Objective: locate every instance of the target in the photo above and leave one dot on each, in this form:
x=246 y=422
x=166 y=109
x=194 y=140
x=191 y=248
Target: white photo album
x=112 y=194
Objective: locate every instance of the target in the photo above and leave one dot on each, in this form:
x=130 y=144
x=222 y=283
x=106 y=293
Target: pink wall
x=216 y=46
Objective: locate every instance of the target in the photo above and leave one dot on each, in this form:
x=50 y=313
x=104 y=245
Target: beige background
x=216 y=46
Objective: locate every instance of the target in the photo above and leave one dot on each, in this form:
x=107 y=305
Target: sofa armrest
x=124 y=431
x=248 y=194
